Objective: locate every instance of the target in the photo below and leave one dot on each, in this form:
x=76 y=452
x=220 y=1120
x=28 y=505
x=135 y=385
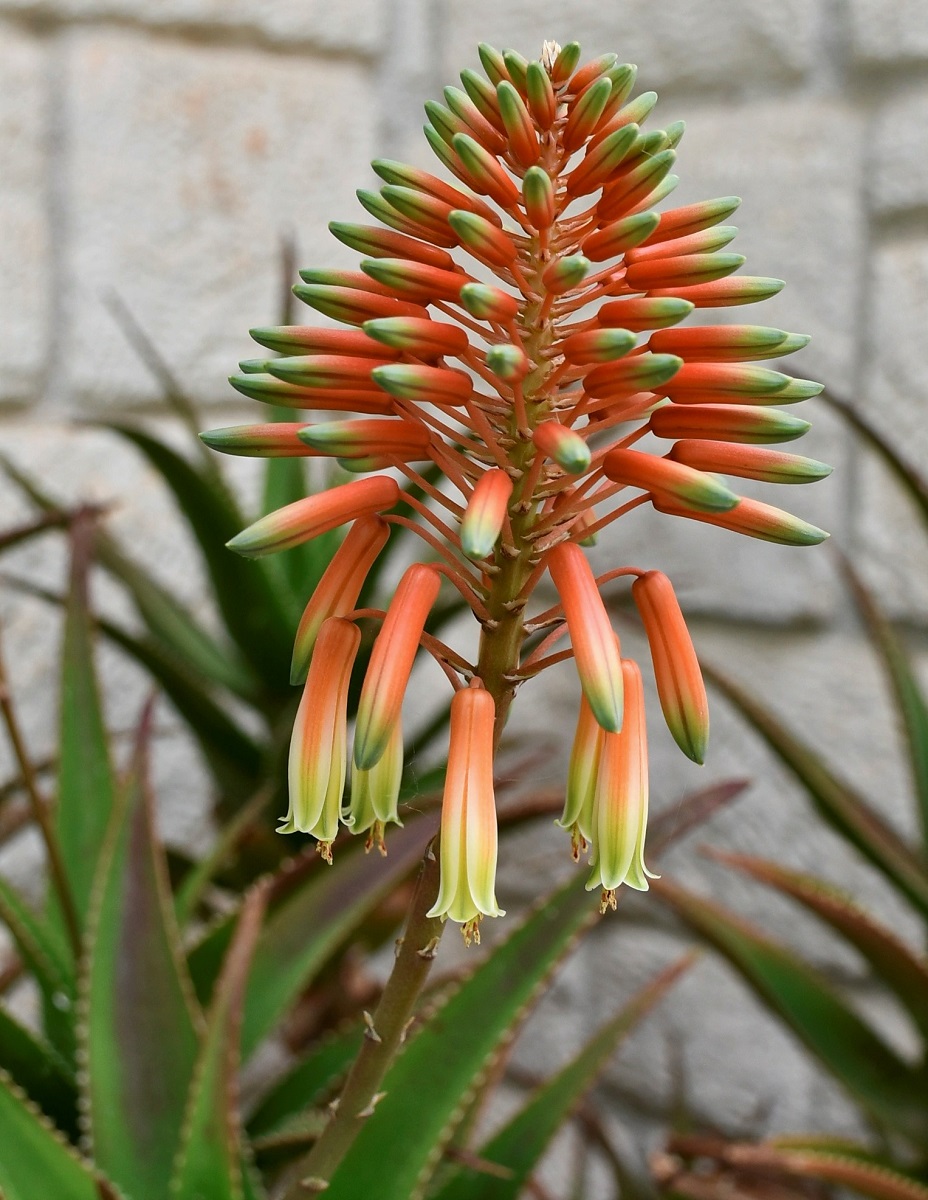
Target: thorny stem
x=385 y=1034
x=40 y=812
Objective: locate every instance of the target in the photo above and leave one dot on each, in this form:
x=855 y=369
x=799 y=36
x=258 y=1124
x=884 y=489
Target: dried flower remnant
x=532 y=394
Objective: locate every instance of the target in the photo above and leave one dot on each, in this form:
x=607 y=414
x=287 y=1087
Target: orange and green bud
x=562 y=274
x=469 y=837
x=646 y=313
x=596 y=650
x=713 y=382
x=585 y=112
x=540 y=94
x=565 y=446
x=484 y=239
x=508 y=362
x=306 y=339
x=692 y=218
x=621 y=800
x=597 y=346
x=385 y=210
x=486 y=132
x=486 y=173
x=591 y=72
x=420 y=336
x=680 y=686
x=719 y=293
x=375 y=794
x=634 y=113
x=518 y=123
x=581 y=779
x=634 y=186
x=318 y=748
x=277 y=440
x=269 y=390
x=754 y=519
x=375 y=242
x=391 y=662
x=566 y=62
x=620 y=236
x=705 y=242
x=670 y=479
x=483 y=96
x=352 y=306
x=493 y=63
x=750 y=462
x=388 y=436
x=485 y=514
x=643 y=372
x=601 y=162
x=727 y=422
x=325 y=370
x=689 y=269
x=726 y=343
x=305 y=519
x=424 y=384
x=517 y=66
x=337 y=592
x=415 y=280
x=538 y=197
x=489 y=303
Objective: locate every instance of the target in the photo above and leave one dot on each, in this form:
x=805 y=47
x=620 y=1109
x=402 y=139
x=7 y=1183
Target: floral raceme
x=545 y=369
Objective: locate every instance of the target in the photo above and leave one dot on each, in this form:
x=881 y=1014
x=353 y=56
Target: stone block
x=682 y=44
x=25 y=267
x=899 y=181
x=185 y=165
x=349 y=25
x=889 y=32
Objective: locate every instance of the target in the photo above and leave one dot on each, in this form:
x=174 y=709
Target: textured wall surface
x=156 y=151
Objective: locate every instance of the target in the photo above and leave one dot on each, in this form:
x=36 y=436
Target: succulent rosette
x=523 y=330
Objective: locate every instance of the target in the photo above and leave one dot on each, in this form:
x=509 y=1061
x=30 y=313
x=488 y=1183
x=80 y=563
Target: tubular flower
x=468 y=817
x=519 y=322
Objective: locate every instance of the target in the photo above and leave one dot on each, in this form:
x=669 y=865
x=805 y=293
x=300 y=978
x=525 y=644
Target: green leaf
x=909 y=698
x=140 y=1034
x=913 y=483
x=306 y=1084
x=308 y=923
x=43 y=1075
x=519 y=1146
x=86 y=785
x=426 y=1089
x=861 y=1061
x=254 y=614
x=171 y=625
x=40 y=945
x=210 y=1159
x=836 y=801
x=36 y=1161
x=890 y=959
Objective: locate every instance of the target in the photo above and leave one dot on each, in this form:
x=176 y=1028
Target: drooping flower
x=531 y=395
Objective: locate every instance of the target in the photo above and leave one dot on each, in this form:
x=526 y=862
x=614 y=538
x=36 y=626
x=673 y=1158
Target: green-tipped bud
x=489 y=303
x=620 y=236
x=675 y=131
x=487 y=241
x=598 y=346
x=566 y=447
x=652 y=312
x=562 y=274
x=540 y=93
x=538 y=197
x=566 y=63
x=509 y=363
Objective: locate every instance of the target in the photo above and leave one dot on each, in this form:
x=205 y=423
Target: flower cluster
x=549 y=379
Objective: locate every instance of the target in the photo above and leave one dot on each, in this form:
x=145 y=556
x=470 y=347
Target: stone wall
x=155 y=151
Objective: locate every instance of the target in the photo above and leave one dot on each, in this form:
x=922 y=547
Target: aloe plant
x=890 y=1091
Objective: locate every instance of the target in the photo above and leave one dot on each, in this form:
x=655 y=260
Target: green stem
x=386 y=1031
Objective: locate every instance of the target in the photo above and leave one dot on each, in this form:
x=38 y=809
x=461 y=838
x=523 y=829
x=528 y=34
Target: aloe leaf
x=210 y=1159
x=836 y=801
x=86 y=785
x=891 y=960
x=39 y=1070
x=861 y=1061
x=140 y=1033
x=175 y=628
x=190 y=892
x=39 y=944
x=307 y=925
x=910 y=700
x=519 y=1146
x=307 y=1083
x=233 y=756
x=879 y=1180
x=36 y=1160
x=913 y=483
x=251 y=606
x=425 y=1090
x=25 y=533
